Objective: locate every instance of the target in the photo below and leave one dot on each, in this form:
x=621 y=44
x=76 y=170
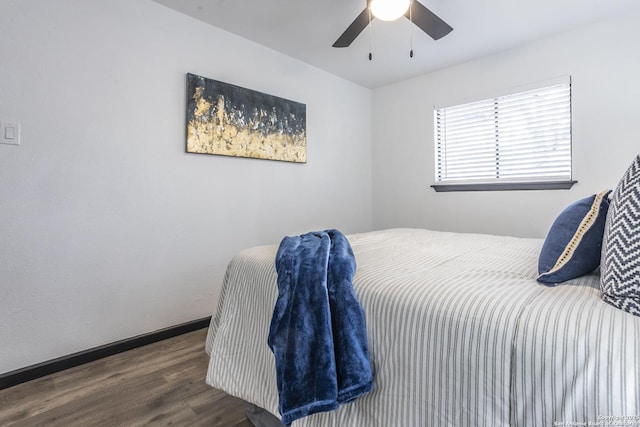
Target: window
x=512 y=142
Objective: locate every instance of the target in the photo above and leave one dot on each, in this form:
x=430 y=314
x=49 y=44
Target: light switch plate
x=9 y=133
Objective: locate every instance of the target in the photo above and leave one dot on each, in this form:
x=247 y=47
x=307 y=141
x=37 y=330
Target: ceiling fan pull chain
x=411 y=28
x=370 y=54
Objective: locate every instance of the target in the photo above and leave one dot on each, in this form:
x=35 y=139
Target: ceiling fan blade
x=428 y=21
x=356 y=27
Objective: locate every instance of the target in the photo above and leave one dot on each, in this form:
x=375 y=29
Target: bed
x=460 y=334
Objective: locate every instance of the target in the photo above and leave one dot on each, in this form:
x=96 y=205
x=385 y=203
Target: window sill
x=505 y=186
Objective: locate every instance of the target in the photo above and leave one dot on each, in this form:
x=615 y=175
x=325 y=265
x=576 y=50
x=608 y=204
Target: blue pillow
x=620 y=278
x=574 y=243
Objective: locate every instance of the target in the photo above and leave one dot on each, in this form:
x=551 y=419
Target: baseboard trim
x=33 y=372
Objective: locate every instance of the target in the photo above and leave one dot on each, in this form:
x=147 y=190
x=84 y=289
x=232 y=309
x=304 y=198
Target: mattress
x=460 y=334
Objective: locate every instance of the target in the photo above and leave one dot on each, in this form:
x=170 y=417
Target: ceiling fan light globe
x=389 y=10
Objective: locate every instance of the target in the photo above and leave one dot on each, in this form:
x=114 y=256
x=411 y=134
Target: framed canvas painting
x=228 y=120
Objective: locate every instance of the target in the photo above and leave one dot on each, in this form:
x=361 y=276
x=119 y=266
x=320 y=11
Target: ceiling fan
x=389 y=10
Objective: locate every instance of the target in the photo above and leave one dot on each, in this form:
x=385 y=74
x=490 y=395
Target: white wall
x=604 y=64
x=108 y=228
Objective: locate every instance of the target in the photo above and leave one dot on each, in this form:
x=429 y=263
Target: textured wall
x=603 y=62
x=108 y=228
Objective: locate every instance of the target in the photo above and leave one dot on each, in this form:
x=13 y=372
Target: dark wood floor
x=159 y=384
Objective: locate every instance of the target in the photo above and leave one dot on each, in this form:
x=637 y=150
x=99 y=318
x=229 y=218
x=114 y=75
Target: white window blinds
x=514 y=138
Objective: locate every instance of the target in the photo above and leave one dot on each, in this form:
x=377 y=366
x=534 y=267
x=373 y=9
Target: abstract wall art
x=229 y=120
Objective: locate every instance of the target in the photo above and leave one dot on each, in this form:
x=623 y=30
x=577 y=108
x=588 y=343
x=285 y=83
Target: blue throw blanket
x=318 y=334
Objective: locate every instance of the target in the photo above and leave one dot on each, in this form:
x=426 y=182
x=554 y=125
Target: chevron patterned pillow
x=620 y=267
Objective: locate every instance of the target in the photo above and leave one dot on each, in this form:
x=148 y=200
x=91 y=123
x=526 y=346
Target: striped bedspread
x=460 y=334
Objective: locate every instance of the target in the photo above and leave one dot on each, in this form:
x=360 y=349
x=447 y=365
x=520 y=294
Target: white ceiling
x=306 y=29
